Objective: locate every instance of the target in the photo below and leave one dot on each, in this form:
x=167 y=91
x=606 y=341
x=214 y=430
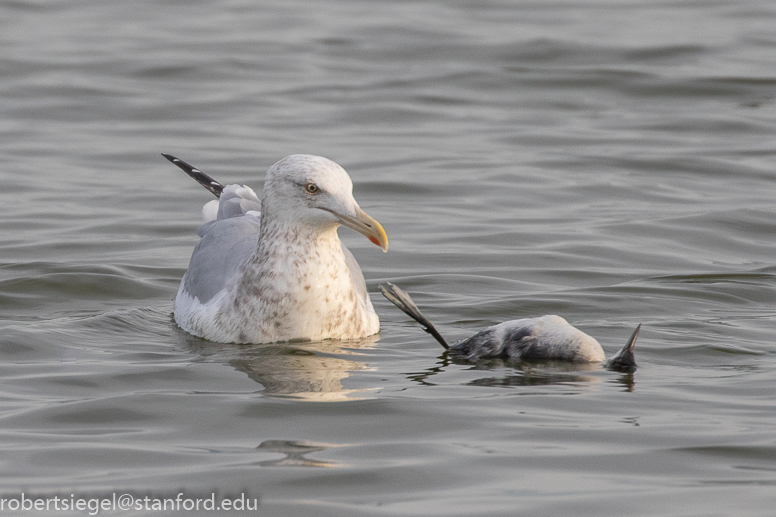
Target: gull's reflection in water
x=294 y=453
x=527 y=373
x=307 y=370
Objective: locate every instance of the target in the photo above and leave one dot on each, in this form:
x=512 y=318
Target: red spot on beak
x=374 y=241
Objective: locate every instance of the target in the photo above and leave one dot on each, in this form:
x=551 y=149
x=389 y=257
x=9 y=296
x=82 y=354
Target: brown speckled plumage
x=294 y=279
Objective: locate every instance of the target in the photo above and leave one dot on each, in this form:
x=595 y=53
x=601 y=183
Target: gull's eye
x=312 y=188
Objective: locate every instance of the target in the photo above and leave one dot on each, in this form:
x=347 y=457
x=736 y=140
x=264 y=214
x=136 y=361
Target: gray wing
x=525 y=338
x=225 y=245
x=499 y=341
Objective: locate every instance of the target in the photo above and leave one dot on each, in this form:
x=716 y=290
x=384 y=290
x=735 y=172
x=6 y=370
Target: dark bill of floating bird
x=274 y=269
x=543 y=338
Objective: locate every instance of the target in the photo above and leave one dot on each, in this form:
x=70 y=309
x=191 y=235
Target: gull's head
x=315 y=191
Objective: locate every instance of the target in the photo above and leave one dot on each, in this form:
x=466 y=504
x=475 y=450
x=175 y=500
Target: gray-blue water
x=608 y=161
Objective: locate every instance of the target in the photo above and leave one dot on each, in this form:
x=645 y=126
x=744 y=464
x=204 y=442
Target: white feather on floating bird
x=275 y=269
x=544 y=338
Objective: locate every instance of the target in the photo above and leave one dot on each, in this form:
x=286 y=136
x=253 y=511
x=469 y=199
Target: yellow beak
x=364 y=224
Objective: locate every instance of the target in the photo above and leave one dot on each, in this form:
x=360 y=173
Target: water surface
x=611 y=162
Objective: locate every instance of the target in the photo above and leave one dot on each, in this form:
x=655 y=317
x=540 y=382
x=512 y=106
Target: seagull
x=543 y=338
x=274 y=269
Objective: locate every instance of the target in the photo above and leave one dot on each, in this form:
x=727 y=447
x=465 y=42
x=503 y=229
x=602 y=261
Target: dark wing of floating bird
x=203 y=179
x=402 y=300
x=544 y=338
x=624 y=360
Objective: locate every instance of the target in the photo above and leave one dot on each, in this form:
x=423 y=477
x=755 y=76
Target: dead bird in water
x=543 y=338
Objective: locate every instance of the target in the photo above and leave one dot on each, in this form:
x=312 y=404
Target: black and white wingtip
x=203 y=179
x=625 y=360
x=403 y=301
